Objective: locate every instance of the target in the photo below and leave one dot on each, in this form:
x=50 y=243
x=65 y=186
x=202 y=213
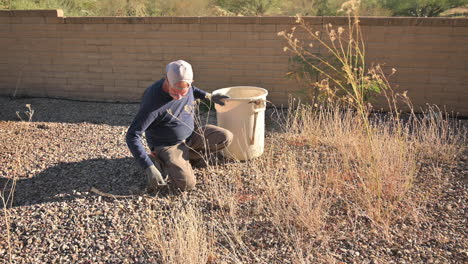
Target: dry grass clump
x=439 y=137
x=179 y=235
x=370 y=179
x=7 y=195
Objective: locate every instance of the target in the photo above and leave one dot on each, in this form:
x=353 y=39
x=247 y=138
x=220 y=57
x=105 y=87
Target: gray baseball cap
x=179 y=70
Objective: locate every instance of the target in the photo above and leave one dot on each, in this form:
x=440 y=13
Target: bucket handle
x=262 y=104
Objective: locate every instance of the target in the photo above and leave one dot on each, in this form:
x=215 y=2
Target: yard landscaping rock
x=70 y=147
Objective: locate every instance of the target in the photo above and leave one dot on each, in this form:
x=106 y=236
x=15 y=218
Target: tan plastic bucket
x=243 y=115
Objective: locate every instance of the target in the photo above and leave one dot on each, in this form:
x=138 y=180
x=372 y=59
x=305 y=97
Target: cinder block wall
x=43 y=53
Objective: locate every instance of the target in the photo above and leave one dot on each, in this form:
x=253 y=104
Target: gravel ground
x=72 y=146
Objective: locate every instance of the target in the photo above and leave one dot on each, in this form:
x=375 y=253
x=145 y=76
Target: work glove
x=218 y=98
x=155 y=179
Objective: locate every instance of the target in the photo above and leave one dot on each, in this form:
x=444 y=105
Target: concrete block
x=33 y=20
x=185 y=20
x=173 y=27
x=159 y=20
x=232 y=28
x=245 y=35
x=203 y=28
x=276 y=20
x=215 y=35
x=214 y=20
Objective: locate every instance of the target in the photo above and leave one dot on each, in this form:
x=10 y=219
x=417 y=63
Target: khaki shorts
x=174 y=160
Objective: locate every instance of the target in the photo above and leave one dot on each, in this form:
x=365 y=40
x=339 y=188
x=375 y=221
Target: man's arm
x=142 y=121
x=199 y=93
x=217 y=98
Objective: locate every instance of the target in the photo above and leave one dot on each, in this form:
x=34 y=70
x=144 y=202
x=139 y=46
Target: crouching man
x=166 y=116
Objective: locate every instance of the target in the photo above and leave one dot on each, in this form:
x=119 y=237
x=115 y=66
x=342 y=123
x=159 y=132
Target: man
x=166 y=115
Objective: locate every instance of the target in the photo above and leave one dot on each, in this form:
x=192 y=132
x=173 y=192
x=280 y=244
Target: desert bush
x=248 y=7
x=70 y=7
x=421 y=8
x=344 y=75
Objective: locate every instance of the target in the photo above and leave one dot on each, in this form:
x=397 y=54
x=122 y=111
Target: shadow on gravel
x=114 y=114
x=67 y=111
x=69 y=181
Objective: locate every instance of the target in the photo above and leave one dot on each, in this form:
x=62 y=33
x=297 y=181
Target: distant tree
x=373 y=8
x=121 y=8
x=248 y=7
x=330 y=8
x=4 y=4
x=421 y=8
x=180 y=8
x=70 y=7
x=306 y=7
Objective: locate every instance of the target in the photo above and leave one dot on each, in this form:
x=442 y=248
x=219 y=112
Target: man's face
x=179 y=90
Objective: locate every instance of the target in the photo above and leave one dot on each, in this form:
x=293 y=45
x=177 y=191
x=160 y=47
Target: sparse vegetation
x=319 y=182
x=7 y=196
x=318 y=175
x=235 y=7
x=334 y=166
x=28 y=113
x=422 y=8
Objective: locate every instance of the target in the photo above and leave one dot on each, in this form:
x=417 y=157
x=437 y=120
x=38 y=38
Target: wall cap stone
x=313 y=20
x=32 y=13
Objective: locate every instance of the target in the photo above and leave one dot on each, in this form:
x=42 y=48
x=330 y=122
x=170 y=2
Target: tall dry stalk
x=7 y=220
x=7 y=197
x=345 y=76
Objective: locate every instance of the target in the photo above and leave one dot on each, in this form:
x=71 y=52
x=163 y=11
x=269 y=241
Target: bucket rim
x=253 y=98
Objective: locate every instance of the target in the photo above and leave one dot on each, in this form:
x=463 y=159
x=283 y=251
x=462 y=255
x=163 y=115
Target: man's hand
x=155 y=179
x=218 y=98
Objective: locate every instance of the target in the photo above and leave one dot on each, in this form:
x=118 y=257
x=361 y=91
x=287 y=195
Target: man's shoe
x=198 y=163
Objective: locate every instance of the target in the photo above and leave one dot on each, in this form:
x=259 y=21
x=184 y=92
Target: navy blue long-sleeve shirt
x=164 y=121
